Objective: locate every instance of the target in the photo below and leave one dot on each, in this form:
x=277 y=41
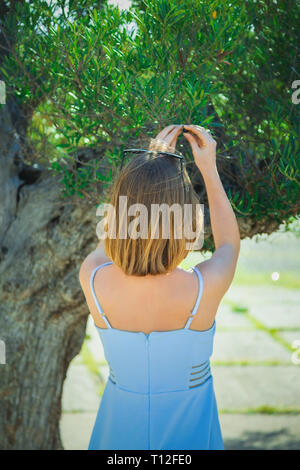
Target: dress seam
x=158 y=393
x=148 y=356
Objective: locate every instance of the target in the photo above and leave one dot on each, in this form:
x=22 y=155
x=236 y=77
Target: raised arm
x=220 y=268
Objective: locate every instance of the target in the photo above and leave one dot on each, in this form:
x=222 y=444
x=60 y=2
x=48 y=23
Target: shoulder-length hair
x=153 y=184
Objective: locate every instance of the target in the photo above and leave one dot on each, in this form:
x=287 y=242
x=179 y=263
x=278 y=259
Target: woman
x=160 y=394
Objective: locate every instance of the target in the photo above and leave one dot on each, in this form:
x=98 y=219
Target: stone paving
x=255 y=365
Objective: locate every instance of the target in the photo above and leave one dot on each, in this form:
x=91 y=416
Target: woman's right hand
x=203 y=147
x=167 y=138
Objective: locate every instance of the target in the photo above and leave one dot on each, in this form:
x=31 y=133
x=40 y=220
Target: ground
x=256 y=358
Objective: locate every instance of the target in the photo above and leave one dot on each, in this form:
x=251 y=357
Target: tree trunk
x=43 y=313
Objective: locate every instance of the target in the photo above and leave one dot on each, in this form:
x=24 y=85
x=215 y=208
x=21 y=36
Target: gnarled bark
x=43 y=316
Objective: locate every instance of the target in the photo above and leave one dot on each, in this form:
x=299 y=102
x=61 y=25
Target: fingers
x=199 y=132
x=192 y=141
x=198 y=139
x=164 y=133
x=170 y=134
x=173 y=136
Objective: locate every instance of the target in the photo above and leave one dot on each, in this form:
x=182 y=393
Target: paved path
x=255 y=363
x=257 y=431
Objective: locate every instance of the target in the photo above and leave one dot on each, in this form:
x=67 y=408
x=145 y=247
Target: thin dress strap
x=200 y=290
x=94 y=295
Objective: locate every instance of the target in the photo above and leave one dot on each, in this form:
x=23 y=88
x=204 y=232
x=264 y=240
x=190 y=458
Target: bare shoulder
x=92 y=261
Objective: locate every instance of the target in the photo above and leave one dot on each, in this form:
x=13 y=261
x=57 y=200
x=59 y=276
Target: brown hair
x=150 y=179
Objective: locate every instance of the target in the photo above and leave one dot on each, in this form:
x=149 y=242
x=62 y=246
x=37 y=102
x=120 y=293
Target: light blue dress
x=159 y=393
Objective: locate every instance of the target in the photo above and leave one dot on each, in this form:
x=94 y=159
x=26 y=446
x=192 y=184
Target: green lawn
x=264 y=260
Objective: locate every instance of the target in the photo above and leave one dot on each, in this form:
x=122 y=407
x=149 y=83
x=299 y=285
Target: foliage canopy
x=91 y=79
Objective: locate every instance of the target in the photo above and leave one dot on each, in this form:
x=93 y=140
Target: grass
x=246 y=362
x=264 y=409
x=93 y=367
x=273 y=332
x=257 y=325
x=236 y=308
x=286 y=279
x=261 y=256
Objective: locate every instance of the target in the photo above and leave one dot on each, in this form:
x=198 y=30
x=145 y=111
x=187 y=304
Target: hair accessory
x=148 y=151
x=170 y=154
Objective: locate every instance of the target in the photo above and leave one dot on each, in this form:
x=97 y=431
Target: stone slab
x=248 y=346
x=243 y=387
x=293 y=338
x=274 y=307
x=240 y=431
x=226 y=318
x=260 y=432
x=79 y=391
x=76 y=429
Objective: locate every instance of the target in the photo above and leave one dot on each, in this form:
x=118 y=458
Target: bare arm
x=221 y=266
x=224 y=228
